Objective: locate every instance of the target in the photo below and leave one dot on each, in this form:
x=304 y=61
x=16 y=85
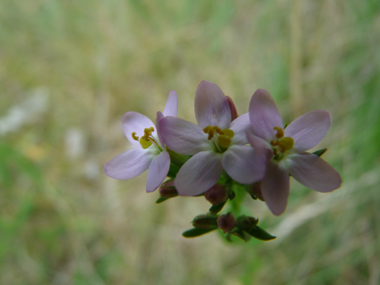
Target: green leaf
x=196 y=232
x=259 y=233
x=214 y=209
x=320 y=151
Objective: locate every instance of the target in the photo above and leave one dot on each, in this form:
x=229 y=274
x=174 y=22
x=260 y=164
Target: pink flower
x=216 y=143
x=285 y=150
x=149 y=152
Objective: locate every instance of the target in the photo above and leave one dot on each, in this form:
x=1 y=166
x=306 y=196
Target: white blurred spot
x=25 y=113
x=91 y=170
x=75 y=143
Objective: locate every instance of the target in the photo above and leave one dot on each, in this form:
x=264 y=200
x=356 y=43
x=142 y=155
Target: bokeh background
x=70 y=69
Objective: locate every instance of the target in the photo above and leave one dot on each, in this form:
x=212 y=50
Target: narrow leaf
x=214 y=209
x=320 y=151
x=259 y=233
x=196 y=232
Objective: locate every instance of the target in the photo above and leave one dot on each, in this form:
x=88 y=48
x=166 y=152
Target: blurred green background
x=69 y=70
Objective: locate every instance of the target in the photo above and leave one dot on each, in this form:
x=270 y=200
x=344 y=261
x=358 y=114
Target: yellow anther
x=229 y=133
x=224 y=141
x=218 y=130
x=145 y=143
x=280 y=132
x=274 y=143
x=148 y=132
x=286 y=143
x=223 y=136
x=207 y=130
x=136 y=138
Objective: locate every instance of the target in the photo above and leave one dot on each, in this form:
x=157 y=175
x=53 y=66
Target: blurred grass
x=64 y=222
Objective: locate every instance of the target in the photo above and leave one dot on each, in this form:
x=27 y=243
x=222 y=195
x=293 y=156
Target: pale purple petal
x=264 y=115
x=309 y=129
x=159 y=117
x=313 y=172
x=199 y=174
x=128 y=164
x=136 y=122
x=240 y=126
x=260 y=146
x=211 y=106
x=234 y=113
x=244 y=164
x=275 y=188
x=182 y=136
x=171 y=107
x=158 y=170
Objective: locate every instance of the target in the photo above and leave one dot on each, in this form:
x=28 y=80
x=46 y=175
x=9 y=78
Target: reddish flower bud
x=216 y=194
x=168 y=190
x=234 y=113
x=256 y=191
x=226 y=223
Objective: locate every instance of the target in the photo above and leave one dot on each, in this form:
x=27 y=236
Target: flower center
x=281 y=144
x=147 y=139
x=221 y=139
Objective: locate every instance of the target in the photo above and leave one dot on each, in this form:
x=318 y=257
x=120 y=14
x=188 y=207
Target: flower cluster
x=224 y=154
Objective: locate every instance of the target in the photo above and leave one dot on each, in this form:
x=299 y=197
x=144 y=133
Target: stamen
x=280 y=132
x=147 y=139
x=229 y=133
x=223 y=137
x=136 y=138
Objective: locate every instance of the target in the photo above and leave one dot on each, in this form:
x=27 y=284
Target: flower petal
x=128 y=164
x=158 y=170
x=313 y=172
x=136 y=122
x=241 y=125
x=199 y=174
x=159 y=117
x=171 y=107
x=182 y=136
x=309 y=129
x=264 y=115
x=211 y=106
x=260 y=146
x=244 y=164
x=275 y=188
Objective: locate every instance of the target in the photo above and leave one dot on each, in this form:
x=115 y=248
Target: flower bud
x=234 y=113
x=216 y=194
x=256 y=191
x=168 y=190
x=247 y=223
x=205 y=222
x=226 y=222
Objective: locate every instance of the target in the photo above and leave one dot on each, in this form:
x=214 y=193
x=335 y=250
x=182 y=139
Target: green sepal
x=162 y=199
x=320 y=151
x=173 y=170
x=259 y=233
x=176 y=158
x=240 y=234
x=214 y=209
x=196 y=232
x=246 y=223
